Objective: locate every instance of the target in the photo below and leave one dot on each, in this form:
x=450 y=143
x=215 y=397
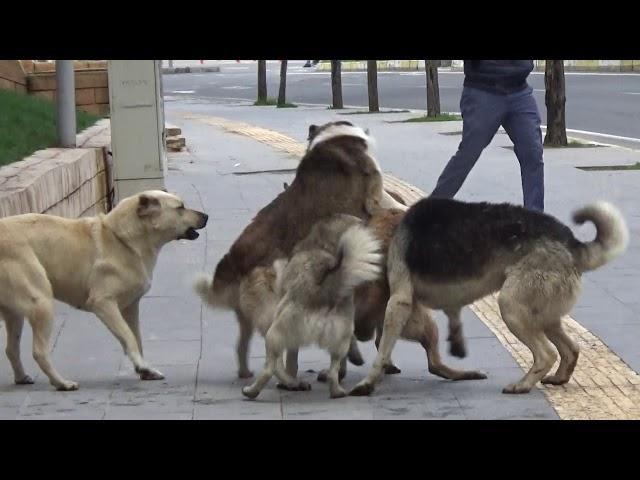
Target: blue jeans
x=482 y=115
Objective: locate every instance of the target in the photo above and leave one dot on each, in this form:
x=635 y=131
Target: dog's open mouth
x=190 y=234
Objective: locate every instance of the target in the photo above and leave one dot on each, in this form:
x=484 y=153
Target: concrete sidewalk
x=231 y=170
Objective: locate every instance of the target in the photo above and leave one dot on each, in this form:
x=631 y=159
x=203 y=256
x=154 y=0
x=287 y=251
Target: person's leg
x=522 y=124
x=481 y=116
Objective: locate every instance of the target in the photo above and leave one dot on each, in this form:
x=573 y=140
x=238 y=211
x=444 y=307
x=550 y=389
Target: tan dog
x=101 y=264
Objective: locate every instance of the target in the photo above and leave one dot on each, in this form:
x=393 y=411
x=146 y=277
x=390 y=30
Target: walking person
x=496 y=93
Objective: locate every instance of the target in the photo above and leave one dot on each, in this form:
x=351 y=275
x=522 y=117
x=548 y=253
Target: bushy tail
x=360 y=258
x=203 y=285
x=611 y=240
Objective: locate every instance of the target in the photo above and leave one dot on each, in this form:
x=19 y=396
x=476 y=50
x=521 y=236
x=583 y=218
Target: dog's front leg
x=108 y=311
x=242 y=347
x=457 y=346
x=131 y=315
x=291 y=366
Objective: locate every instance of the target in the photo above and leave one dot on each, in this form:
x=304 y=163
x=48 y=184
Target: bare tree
x=282 y=92
x=433 y=88
x=262 y=81
x=372 y=82
x=336 y=83
x=555 y=99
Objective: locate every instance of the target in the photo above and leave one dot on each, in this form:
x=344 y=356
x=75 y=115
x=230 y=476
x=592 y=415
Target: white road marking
x=184 y=91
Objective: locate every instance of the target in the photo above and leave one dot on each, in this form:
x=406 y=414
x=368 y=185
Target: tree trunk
x=372 y=82
x=554 y=99
x=262 y=81
x=433 y=88
x=282 y=93
x=336 y=83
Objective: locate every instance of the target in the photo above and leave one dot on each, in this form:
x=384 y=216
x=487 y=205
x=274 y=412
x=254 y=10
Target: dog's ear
x=313 y=129
x=147 y=205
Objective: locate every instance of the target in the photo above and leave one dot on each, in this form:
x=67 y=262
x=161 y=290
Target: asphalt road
x=602 y=103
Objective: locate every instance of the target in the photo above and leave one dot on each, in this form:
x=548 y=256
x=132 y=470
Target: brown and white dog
x=337 y=175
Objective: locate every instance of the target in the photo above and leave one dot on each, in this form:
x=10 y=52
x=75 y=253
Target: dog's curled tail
x=360 y=258
x=611 y=240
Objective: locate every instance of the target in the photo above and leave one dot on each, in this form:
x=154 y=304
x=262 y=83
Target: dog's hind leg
x=275 y=342
x=323 y=375
x=41 y=320
x=242 y=347
x=292 y=362
x=253 y=390
x=568 y=350
x=396 y=316
x=516 y=315
x=291 y=369
x=288 y=382
x=457 y=346
x=422 y=328
x=389 y=368
x=14 y=323
x=354 y=355
x=336 y=391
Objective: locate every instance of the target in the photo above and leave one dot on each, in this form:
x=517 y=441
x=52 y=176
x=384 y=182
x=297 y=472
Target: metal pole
x=66 y=99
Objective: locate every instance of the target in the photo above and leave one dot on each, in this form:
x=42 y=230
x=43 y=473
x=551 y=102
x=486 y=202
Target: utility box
x=137 y=126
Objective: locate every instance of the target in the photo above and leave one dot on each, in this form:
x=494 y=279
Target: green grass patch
x=609 y=168
x=367 y=112
x=570 y=144
x=575 y=144
x=28 y=124
x=273 y=102
x=443 y=117
x=269 y=102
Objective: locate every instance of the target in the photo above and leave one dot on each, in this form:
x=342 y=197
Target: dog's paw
x=250 y=392
x=322 y=376
x=150 y=374
x=458 y=349
x=554 y=380
x=301 y=387
x=355 y=359
x=361 y=390
x=245 y=374
x=516 y=388
x=67 y=386
x=472 y=375
x=340 y=393
x=391 y=370
x=26 y=380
